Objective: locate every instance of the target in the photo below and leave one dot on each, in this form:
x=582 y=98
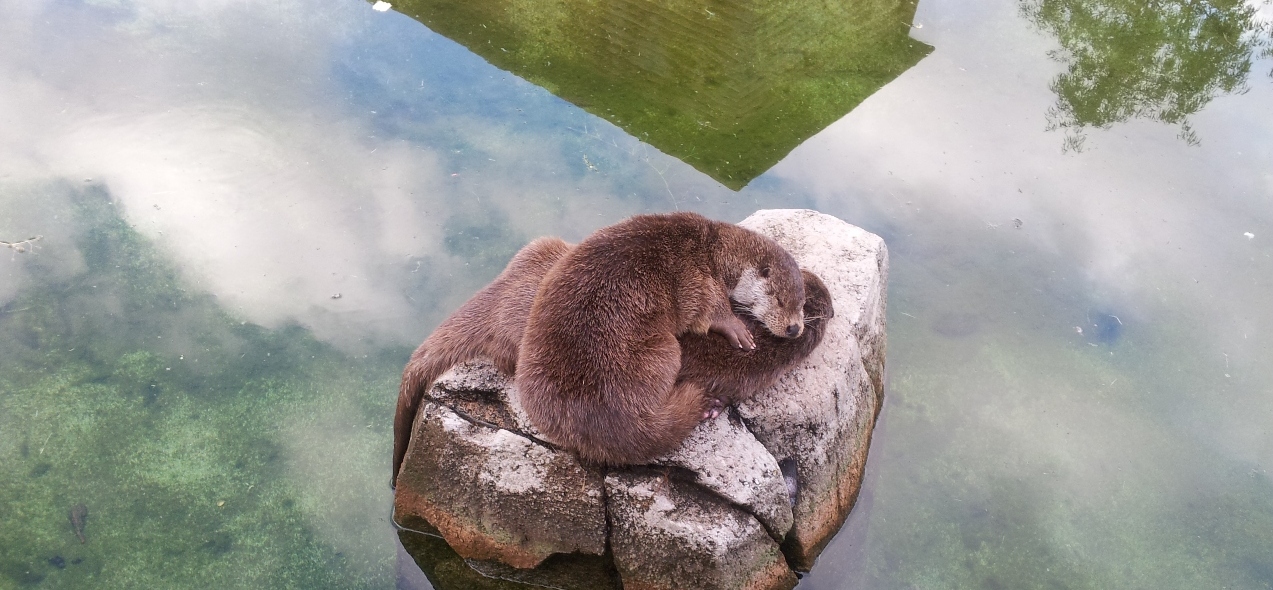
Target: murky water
x=249 y=213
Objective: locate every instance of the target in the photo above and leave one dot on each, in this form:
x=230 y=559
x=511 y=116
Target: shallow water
x=250 y=213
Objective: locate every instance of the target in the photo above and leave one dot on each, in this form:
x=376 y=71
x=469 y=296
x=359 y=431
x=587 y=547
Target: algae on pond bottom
x=181 y=429
x=1035 y=457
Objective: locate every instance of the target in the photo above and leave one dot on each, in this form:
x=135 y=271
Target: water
x=249 y=213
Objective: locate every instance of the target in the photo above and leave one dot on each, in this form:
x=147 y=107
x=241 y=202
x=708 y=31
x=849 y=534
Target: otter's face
x=774 y=295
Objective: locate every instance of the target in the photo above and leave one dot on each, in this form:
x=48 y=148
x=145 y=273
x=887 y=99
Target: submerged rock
x=748 y=499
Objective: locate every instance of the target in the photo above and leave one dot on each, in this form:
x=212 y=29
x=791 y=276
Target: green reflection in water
x=728 y=87
x=1161 y=61
x=179 y=427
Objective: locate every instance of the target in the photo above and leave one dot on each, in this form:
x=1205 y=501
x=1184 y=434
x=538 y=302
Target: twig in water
x=675 y=204
x=22 y=246
x=645 y=157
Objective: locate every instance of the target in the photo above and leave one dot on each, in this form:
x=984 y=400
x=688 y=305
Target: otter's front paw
x=736 y=332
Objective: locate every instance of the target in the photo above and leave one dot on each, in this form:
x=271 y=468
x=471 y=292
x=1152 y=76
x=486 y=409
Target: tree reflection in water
x=1161 y=60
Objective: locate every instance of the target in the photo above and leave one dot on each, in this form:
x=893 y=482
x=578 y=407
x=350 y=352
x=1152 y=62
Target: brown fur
x=489 y=325
x=599 y=357
x=728 y=375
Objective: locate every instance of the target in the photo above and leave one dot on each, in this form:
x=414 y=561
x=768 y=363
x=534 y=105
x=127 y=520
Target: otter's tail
x=439 y=352
x=490 y=325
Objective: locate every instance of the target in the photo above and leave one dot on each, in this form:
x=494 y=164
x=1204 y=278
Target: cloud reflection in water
x=246 y=135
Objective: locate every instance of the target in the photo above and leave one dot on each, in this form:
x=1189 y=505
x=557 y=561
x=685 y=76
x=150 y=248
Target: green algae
x=175 y=423
x=727 y=87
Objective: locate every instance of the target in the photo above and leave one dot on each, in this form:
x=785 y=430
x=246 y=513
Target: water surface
x=249 y=213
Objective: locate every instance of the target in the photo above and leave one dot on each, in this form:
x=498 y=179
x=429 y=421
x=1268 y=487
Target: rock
x=485 y=395
x=748 y=497
x=850 y=260
x=670 y=535
x=820 y=414
x=444 y=569
x=497 y=495
x=728 y=461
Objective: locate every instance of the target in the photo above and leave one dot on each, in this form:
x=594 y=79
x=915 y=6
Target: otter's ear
x=764 y=272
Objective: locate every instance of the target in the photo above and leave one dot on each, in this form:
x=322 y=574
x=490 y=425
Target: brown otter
x=728 y=375
x=488 y=325
x=491 y=323
x=599 y=358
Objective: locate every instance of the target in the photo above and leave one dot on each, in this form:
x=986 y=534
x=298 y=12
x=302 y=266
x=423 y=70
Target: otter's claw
x=736 y=332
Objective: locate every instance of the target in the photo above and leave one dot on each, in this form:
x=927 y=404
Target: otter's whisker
x=742 y=310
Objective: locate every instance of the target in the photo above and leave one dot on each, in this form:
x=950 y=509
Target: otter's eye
x=764 y=272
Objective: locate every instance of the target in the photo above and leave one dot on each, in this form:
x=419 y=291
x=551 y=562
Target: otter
x=729 y=375
x=599 y=357
x=488 y=325
x=491 y=324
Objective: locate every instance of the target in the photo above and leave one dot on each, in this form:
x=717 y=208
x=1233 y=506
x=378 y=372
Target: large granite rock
x=748 y=498
x=497 y=495
x=726 y=459
x=668 y=534
x=820 y=414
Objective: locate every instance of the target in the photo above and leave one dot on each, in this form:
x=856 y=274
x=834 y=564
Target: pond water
x=249 y=213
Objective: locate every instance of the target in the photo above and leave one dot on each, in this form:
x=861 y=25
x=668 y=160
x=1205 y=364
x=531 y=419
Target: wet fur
x=599 y=359
x=730 y=375
x=489 y=325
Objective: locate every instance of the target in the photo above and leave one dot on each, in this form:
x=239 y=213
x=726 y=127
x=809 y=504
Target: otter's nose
x=793 y=330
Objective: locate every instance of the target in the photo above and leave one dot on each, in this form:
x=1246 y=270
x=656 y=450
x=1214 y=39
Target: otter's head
x=773 y=293
x=817 y=298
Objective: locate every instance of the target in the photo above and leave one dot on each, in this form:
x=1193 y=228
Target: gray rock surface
x=497 y=495
x=668 y=534
x=479 y=389
x=719 y=512
x=729 y=462
x=821 y=413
